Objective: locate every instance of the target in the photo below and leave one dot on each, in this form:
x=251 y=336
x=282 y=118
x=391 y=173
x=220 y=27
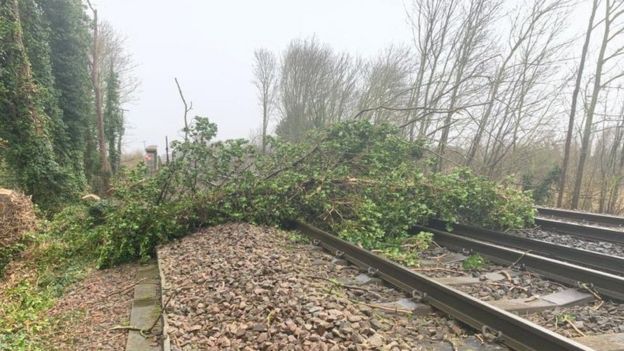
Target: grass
x=30 y=287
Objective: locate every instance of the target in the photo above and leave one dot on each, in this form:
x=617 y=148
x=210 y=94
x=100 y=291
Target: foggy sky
x=208 y=45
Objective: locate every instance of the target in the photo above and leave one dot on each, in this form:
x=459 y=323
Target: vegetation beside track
x=364 y=182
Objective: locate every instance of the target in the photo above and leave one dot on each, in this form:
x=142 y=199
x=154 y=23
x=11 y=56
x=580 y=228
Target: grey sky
x=209 y=46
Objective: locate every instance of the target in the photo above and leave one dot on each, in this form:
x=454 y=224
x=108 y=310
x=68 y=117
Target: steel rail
x=582 y=231
x=585 y=258
x=517 y=333
x=581 y=216
x=605 y=283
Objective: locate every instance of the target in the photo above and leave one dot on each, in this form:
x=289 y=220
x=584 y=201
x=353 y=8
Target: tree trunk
x=265 y=120
x=575 y=93
x=105 y=170
x=585 y=144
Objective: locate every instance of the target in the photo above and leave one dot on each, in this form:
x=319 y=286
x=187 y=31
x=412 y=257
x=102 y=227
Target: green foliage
x=420 y=241
x=564 y=318
x=22 y=307
x=29 y=117
x=124 y=228
x=69 y=43
x=474 y=262
x=407 y=257
x=358 y=180
x=298 y=238
x=542 y=190
x=406 y=251
x=55 y=258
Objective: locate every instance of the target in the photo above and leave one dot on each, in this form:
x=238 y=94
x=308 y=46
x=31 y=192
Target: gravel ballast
x=243 y=287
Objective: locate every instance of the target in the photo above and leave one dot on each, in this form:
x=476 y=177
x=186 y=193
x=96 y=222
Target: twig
x=574 y=327
x=144 y=332
x=478 y=336
x=347 y=286
x=126 y=327
x=434 y=270
x=519 y=287
x=130 y=328
x=452 y=343
x=187 y=109
x=164 y=308
x=598 y=305
x=389 y=309
x=507 y=275
x=122 y=290
x=437 y=258
x=532 y=298
x=269 y=318
x=593 y=292
x=518 y=260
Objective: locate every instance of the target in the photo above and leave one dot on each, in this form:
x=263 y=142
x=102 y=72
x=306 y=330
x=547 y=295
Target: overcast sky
x=209 y=44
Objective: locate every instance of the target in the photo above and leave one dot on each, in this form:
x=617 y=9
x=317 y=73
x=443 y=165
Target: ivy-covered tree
x=27 y=109
x=113 y=119
x=69 y=42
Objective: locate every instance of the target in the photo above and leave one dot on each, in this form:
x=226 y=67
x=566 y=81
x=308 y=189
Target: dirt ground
x=85 y=314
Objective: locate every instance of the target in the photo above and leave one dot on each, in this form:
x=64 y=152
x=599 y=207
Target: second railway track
x=584 y=225
x=585 y=258
x=598 y=219
x=493 y=319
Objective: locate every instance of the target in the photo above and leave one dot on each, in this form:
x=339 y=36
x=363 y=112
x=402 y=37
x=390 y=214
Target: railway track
x=581 y=257
x=589 y=226
x=599 y=219
x=495 y=319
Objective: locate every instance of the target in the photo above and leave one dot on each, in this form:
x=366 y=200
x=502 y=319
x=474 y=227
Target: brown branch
x=187 y=109
x=122 y=290
x=294 y=164
x=350 y=287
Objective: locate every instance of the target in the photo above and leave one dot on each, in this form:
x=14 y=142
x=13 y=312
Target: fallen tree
x=361 y=181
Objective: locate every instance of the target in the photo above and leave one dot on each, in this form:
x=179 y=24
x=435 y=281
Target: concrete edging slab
x=166 y=341
x=146 y=309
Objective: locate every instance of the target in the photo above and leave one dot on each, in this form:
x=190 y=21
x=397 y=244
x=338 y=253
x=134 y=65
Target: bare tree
x=473 y=45
x=575 y=93
x=317 y=87
x=117 y=83
x=105 y=170
x=524 y=29
x=614 y=9
x=385 y=79
x=524 y=108
x=265 y=73
x=433 y=31
x=113 y=56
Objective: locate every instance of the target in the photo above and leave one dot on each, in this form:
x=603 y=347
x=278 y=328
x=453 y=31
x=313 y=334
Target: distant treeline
x=504 y=87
